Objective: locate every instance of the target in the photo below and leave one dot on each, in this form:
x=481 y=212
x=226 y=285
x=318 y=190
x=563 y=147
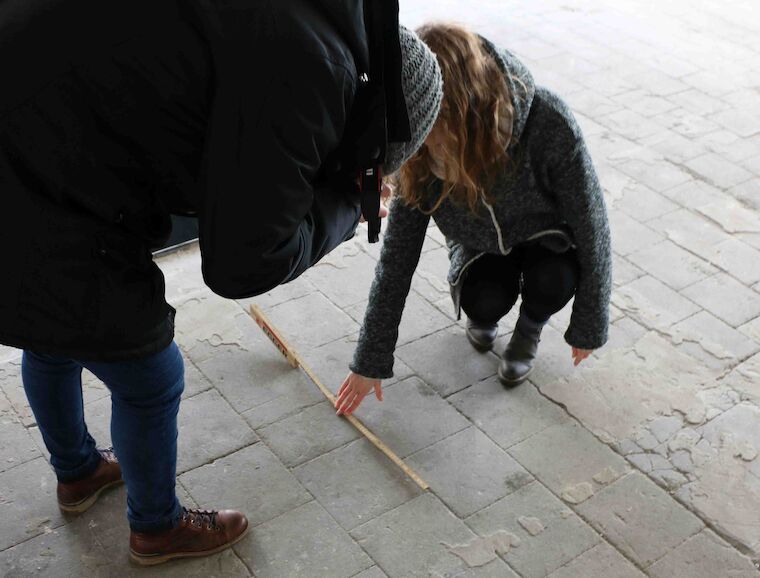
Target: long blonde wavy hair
x=476 y=118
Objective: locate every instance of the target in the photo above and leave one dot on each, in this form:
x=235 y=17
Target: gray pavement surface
x=642 y=462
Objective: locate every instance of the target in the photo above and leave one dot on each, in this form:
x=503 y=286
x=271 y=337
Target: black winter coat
x=114 y=115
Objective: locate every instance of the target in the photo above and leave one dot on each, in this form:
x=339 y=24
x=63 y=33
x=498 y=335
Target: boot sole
x=86 y=504
x=480 y=347
x=513 y=382
x=154 y=560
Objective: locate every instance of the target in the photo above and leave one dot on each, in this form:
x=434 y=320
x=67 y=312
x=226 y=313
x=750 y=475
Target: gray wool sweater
x=550 y=194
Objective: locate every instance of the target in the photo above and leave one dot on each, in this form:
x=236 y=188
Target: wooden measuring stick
x=295 y=360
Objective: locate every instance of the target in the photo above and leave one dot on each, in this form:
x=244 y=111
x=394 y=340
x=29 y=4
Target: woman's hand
x=354 y=389
x=580 y=354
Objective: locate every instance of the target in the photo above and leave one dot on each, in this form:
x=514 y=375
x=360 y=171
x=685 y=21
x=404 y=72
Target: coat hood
x=520 y=82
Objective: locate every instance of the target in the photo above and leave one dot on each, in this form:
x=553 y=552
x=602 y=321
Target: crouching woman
x=507 y=178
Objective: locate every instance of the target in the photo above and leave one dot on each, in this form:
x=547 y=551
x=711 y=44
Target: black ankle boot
x=517 y=360
x=482 y=336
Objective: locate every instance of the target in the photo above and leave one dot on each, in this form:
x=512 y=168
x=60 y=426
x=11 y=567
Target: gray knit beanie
x=422 y=83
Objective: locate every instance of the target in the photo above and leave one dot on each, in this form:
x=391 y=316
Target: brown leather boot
x=198 y=533
x=76 y=497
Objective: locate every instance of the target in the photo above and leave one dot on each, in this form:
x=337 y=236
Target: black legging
x=493 y=283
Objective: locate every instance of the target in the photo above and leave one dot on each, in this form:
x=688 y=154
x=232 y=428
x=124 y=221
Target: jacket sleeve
x=402 y=246
x=579 y=195
x=263 y=222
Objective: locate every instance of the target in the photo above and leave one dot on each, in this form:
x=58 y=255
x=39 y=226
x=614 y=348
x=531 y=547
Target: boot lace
x=201 y=518
x=108 y=454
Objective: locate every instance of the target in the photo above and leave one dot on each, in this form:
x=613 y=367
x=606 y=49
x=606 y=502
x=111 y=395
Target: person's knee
x=488 y=302
x=158 y=380
x=159 y=395
x=171 y=384
x=554 y=282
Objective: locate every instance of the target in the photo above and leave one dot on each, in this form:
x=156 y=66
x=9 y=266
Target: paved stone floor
x=643 y=462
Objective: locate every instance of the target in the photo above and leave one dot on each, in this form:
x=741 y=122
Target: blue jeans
x=145 y=396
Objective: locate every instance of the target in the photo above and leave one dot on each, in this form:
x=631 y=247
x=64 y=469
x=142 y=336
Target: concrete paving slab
x=556 y=537
x=416 y=541
x=507 y=415
x=640 y=519
x=356 y=483
x=303 y=543
x=468 y=471
x=601 y=561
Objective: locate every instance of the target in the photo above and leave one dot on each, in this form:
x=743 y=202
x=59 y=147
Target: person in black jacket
x=115 y=115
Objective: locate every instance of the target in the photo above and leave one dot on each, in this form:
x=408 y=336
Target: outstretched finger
x=343 y=386
x=344 y=390
x=343 y=405
x=346 y=404
x=345 y=394
x=379 y=391
x=346 y=398
x=581 y=356
x=354 y=405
